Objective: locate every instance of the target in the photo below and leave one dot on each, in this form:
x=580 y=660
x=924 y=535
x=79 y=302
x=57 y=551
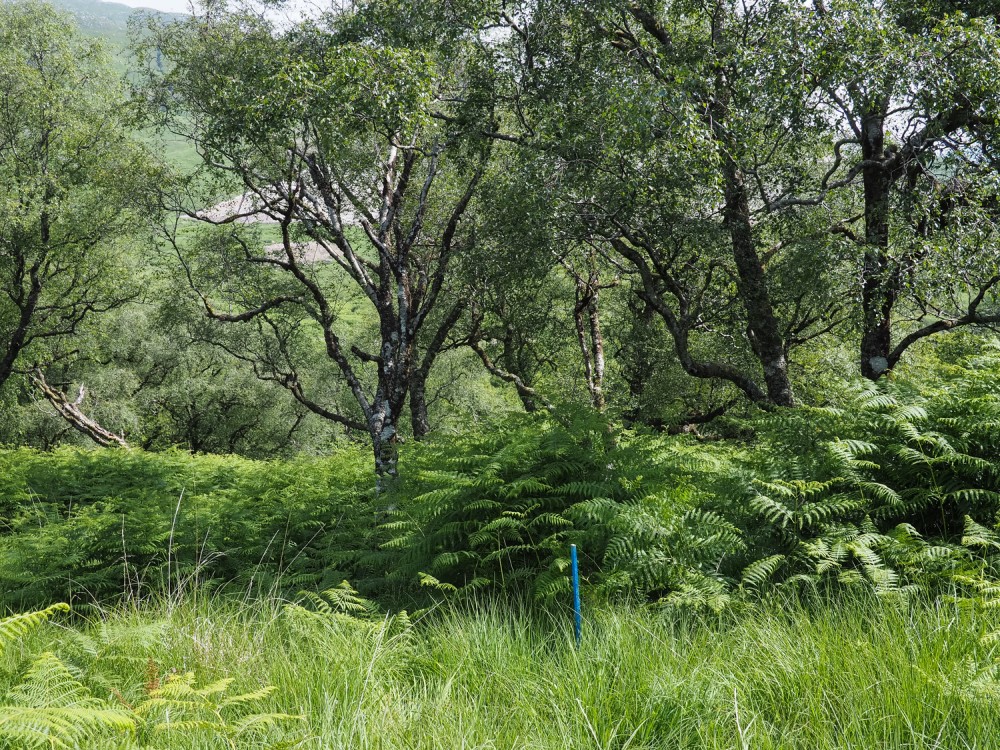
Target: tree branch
x=71 y=412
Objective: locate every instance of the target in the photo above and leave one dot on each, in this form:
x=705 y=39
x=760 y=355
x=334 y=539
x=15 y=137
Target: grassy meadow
x=861 y=672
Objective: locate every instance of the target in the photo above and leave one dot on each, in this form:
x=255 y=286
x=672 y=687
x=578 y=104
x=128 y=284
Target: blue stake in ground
x=577 y=619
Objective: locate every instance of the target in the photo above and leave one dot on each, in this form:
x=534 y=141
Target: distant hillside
x=98 y=18
x=108 y=21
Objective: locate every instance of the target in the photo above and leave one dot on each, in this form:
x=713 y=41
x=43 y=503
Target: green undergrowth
x=858 y=672
x=90 y=526
x=895 y=491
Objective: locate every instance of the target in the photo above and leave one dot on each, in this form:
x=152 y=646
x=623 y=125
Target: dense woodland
x=415 y=295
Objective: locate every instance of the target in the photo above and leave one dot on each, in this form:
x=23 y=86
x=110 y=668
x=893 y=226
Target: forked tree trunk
x=763 y=329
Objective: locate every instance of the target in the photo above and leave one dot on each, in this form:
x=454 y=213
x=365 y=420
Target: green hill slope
x=102 y=19
x=108 y=22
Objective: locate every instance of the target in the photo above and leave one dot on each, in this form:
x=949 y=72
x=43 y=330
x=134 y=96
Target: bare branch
x=524 y=390
x=72 y=413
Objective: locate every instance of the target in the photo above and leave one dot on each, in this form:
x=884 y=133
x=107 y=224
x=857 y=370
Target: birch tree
x=330 y=141
x=71 y=186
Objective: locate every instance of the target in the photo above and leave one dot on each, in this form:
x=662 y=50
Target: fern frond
x=977 y=535
x=17 y=626
x=759 y=572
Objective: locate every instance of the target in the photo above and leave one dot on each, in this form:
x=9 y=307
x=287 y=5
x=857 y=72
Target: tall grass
x=861 y=673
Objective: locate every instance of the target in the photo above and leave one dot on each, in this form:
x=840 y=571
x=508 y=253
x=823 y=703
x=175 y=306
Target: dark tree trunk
x=419 y=420
x=764 y=332
x=12 y=350
x=637 y=357
x=762 y=325
x=26 y=300
x=515 y=362
x=878 y=286
x=586 y=316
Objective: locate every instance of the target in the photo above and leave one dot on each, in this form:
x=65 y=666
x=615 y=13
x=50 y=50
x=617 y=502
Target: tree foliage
x=72 y=182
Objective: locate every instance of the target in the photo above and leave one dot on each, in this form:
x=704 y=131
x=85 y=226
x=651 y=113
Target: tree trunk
x=73 y=414
x=586 y=315
x=395 y=369
x=417 y=383
x=515 y=363
x=765 y=336
x=27 y=304
x=636 y=358
x=419 y=420
x=763 y=331
x=597 y=344
x=385 y=445
x=878 y=287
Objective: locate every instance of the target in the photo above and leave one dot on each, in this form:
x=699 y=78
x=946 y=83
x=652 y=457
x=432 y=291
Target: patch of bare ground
x=304 y=252
x=241 y=209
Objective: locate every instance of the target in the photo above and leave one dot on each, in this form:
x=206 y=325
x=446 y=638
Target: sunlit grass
x=861 y=674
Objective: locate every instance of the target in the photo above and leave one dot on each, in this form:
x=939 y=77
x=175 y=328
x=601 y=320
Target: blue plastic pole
x=577 y=618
